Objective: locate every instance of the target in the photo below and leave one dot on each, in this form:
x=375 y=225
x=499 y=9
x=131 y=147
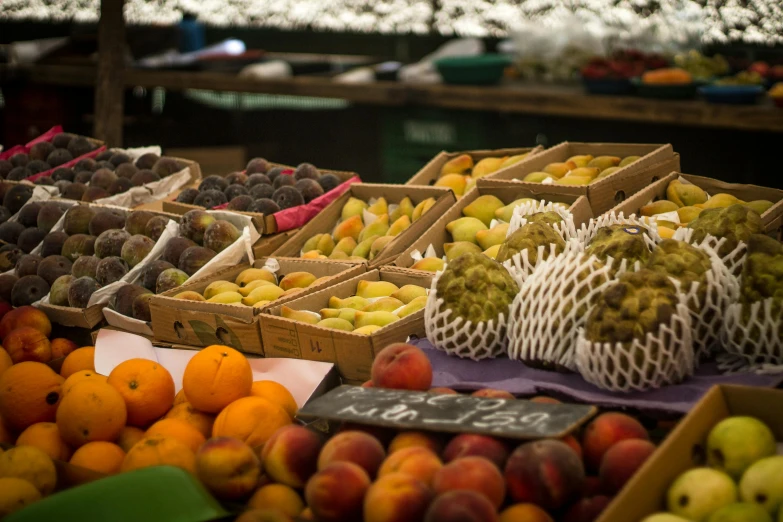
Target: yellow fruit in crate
x=461 y=164
x=665 y=232
x=263 y=293
x=405 y=208
x=454 y=250
x=297 y=280
x=254 y=274
x=356 y=302
x=487 y=166
x=573 y=180
x=261 y=304
x=658 y=207
x=376 y=318
x=408 y=293
x=685 y=194
x=580 y=160
x=370 y=289
x=760 y=205
x=721 y=201
x=252 y=285
x=606 y=172
x=351 y=227
x=353 y=207
x=558 y=170
x=429 y=264
x=483 y=208
x=494 y=236
x=384 y=304
x=421 y=208
x=379 y=227
x=313 y=254
x=330 y=313
x=464 y=229
x=584 y=172
x=345 y=246
x=349 y=314
x=190 y=296
x=335 y=324
x=628 y=160
x=512 y=160
x=414 y=306
x=492 y=252
x=323 y=243
x=537 y=177
x=604 y=162
x=338 y=254
x=379 y=244
x=367 y=330
x=688 y=214
x=363 y=249
x=218 y=287
x=505 y=213
x=399 y=226
x=302 y=316
x=456 y=182
x=227 y=298
x=379 y=208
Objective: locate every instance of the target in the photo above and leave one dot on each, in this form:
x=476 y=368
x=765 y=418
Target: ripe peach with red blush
x=402 y=366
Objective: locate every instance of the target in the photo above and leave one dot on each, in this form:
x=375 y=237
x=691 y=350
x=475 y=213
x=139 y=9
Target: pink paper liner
x=46 y=136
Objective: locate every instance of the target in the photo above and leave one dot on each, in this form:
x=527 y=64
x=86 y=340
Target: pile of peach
x=372 y=474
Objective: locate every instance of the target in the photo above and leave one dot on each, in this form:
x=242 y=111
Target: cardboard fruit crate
x=328 y=219
x=430 y=172
x=684 y=448
x=507 y=192
x=352 y=353
x=605 y=193
x=199 y=323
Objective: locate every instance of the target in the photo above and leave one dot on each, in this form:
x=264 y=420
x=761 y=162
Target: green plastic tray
x=158 y=494
x=484 y=69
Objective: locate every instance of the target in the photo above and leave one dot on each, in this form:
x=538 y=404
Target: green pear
x=483 y=208
x=336 y=324
x=353 y=207
x=414 y=306
x=454 y=250
x=737 y=442
x=405 y=208
x=464 y=229
x=505 y=213
x=384 y=304
x=741 y=512
x=762 y=483
x=379 y=227
x=376 y=318
x=699 y=492
x=363 y=248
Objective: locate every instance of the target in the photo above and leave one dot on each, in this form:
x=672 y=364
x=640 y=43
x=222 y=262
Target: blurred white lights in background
x=707 y=21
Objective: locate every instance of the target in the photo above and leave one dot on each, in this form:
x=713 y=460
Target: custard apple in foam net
x=637 y=304
x=619 y=242
x=476 y=288
x=682 y=261
x=762 y=274
x=734 y=223
x=529 y=237
x=545 y=218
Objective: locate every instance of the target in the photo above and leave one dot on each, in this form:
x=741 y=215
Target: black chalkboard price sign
x=516 y=419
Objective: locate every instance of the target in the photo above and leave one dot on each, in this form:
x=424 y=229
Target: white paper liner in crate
x=733 y=260
x=668 y=357
x=149 y=192
x=541 y=329
x=566 y=228
x=460 y=337
x=758 y=340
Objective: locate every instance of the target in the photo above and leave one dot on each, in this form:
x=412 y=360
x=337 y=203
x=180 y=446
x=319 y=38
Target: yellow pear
x=370 y=289
x=580 y=161
x=573 y=180
x=492 y=252
x=760 y=205
x=252 y=285
x=483 y=208
x=537 y=177
x=405 y=208
x=379 y=244
x=604 y=162
x=218 y=287
x=351 y=227
x=261 y=304
x=353 y=207
x=414 y=306
x=494 y=236
x=297 y=280
x=376 y=318
x=263 y=293
x=558 y=170
x=367 y=330
x=346 y=245
x=658 y=207
x=226 y=298
x=606 y=172
x=721 y=201
x=454 y=250
x=421 y=208
x=505 y=213
x=303 y=316
x=685 y=194
x=349 y=314
x=384 y=304
x=253 y=274
x=399 y=226
x=458 y=165
x=338 y=254
x=356 y=302
x=429 y=264
x=665 y=232
x=588 y=172
x=512 y=160
x=379 y=227
x=687 y=214
x=456 y=182
x=190 y=296
x=323 y=243
x=487 y=166
x=313 y=254
x=335 y=324
x=330 y=313
x=363 y=249
x=379 y=207
x=408 y=293
x=628 y=160
x=464 y=229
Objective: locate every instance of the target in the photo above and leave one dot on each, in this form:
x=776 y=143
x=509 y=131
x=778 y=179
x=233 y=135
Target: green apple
x=737 y=442
x=741 y=512
x=762 y=483
x=699 y=492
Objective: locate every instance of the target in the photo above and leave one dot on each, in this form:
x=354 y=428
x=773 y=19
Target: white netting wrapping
x=550 y=307
x=754 y=332
x=566 y=228
x=734 y=260
x=520 y=266
x=657 y=360
x=459 y=337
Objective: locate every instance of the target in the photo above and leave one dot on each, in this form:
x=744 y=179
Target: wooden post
x=110 y=83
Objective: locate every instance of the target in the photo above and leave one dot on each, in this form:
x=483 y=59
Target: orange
x=252 y=420
x=177 y=429
x=185 y=412
x=81 y=376
x=81 y=359
x=17 y=493
x=100 y=456
x=46 y=437
x=147 y=388
x=29 y=393
x=215 y=377
x=30 y=464
x=27 y=344
x=25 y=316
x=6 y=437
x=277 y=393
x=92 y=410
x=5 y=360
x=128 y=438
x=159 y=450
x=179 y=398
x=62 y=347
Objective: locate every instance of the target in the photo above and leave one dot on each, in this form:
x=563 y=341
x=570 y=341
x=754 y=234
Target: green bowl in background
x=483 y=69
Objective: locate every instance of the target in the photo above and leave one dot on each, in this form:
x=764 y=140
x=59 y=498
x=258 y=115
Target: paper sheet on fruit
x=299 y=376
x=154 y=191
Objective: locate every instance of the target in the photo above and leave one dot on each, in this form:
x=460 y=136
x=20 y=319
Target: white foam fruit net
x=550 y=307
x=665 y=357
x=754 y=332
x=734 y=260
x=589 y=230
x=460 y=337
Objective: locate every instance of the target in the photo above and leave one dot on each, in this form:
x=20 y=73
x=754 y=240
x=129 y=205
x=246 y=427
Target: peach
x=25 y=316
x=474 y=474
x=353 y=446
x=290 y=456
x=397 y=497
x=573 y=443
x=443 y=391
x=27 y=344
x=227 y=467
x=420 y=463
x=337 y=492
x=409 y=439
x=605 y=431
x=62 y=347
x=621 y=462
x=492 y=394
x=461 y=506
x=542 y=399
x=546 y=472
x=524 y=513
x=263 y=515
x=403 y=367
x=279 y=497
x=587 y=509
x=473 y=445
